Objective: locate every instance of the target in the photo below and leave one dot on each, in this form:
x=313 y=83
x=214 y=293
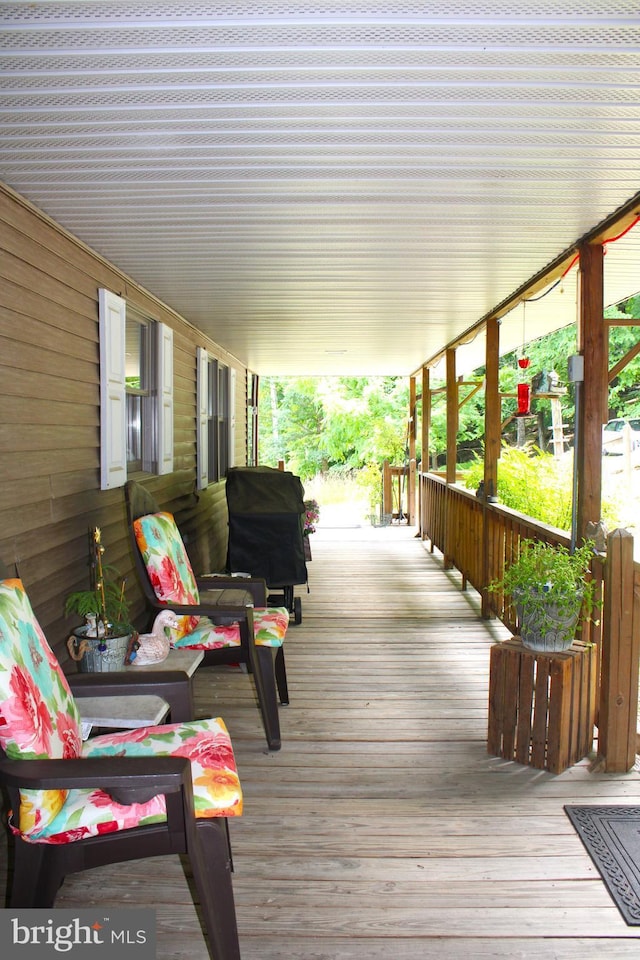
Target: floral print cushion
x=172 y=578
x=269 y=628
x=270 y=625
x=207 y=636
x=216 y=786
x=167 y=563
x=38 y=715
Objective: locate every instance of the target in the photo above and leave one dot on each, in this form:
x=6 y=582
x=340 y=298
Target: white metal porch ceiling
x=328 y=187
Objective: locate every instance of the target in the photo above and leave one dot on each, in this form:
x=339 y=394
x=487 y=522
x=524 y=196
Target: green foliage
x=369 y=481
x=89 y=603
x=531 y=482
x=548 y=582
x=319 y=424
x=624 y=392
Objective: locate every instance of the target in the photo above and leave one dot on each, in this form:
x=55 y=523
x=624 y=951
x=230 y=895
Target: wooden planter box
x=541 y=706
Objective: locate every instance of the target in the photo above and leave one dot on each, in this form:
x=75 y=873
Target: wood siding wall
x=50 y=419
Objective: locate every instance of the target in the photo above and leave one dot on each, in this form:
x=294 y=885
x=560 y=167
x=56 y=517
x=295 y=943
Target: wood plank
x=383 y=827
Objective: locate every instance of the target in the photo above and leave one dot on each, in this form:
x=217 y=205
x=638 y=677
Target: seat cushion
x=38 y=715
x=167 y=562
x=216 y=786
x=171 y=575
x=270 y=625
x=207 y=636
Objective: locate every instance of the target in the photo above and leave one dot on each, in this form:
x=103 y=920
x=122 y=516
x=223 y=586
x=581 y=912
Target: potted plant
x=551 y=590
x=103 y=642
x=311 y=517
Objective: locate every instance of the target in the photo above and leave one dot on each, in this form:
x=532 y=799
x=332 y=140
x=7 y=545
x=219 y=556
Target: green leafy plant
x=550 y=586
x=105 y=599
x=532 y=482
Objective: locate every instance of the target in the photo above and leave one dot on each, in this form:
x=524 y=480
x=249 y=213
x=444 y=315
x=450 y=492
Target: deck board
x=383 y=828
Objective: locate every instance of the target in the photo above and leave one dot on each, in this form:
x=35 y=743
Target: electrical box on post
x=576 y=368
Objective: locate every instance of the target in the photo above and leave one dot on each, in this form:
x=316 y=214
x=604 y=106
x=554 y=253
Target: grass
x=339 y=493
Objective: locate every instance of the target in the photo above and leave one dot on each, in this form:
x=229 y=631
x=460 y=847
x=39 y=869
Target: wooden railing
x=398 y=491
x=479 y=539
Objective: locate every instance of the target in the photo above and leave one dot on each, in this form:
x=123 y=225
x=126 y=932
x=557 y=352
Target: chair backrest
x=39 y=718
x=139 y=501
x=161 y=557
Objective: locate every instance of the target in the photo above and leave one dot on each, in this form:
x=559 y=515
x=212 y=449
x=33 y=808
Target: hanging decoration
x=524 y=387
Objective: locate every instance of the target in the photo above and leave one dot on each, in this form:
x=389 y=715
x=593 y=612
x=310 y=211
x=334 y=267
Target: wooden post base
x=541 y=706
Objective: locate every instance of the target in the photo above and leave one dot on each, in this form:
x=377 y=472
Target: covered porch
x=383 y=827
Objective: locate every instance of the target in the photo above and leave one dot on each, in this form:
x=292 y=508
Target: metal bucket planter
x=89 y=656
x=548 y=628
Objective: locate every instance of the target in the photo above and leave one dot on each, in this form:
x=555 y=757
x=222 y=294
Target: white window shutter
x=232 y=417
x=202 y=418
x=165 y=398
x=113 y=429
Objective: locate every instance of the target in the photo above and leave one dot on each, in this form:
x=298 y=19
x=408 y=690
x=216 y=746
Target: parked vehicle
x=613 y=435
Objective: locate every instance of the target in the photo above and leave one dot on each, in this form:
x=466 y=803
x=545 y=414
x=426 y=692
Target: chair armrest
x=126 y=779
x=256 y=586
x=213 y=605
x=174 y=686
x=117 y=683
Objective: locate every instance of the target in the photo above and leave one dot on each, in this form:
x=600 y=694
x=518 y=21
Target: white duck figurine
x=154 y=647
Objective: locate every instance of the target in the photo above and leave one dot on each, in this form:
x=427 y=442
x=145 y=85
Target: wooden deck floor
x=382 y=828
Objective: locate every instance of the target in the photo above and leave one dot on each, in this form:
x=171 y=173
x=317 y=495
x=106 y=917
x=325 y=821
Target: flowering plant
x=311 y=516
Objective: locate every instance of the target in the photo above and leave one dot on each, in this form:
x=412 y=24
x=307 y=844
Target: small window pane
x=134 y=431
x=137 y=355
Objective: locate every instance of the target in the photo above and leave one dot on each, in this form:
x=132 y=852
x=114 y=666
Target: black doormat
x=612 y=838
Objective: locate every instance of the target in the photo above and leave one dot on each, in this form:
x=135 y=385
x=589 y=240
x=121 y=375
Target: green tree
x=624 y=391
x=324 y=423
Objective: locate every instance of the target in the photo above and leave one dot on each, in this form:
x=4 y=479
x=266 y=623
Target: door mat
x=611 y=836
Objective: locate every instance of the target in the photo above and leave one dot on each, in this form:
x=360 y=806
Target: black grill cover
x=266 y=520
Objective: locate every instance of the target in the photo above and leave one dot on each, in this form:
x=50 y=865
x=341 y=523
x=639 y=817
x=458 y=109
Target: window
x=136 y=392
x=139 y=390
x=216 y=384
x=253 y=384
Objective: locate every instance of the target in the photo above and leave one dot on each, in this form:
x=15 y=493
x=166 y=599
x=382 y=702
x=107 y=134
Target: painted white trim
x=202 y=418
x=232 y=418
x=165 y=398
x=113 y=419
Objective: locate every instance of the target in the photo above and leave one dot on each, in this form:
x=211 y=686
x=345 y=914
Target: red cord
x=604 y=243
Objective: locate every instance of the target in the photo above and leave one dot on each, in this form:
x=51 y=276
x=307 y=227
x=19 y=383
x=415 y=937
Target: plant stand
x=94 y=660
x=541 y=706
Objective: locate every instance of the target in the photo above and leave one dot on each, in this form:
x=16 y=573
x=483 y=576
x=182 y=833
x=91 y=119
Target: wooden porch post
x=426 y=428
x=620 y=659
x=492 y=408
x=452 y=416
x=593 y=344
x=492 y=436
x=426 y=419
x=411 y=478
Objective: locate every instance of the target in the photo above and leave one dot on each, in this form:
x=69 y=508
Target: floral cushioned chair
x=247 y=632
x=139 y=793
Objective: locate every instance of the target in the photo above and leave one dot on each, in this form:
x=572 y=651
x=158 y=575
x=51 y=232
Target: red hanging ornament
x=524 y=362
x=524 y=397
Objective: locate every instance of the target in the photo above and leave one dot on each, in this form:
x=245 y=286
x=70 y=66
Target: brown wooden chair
x=218 y=616
x=118 y=797
x=172 y=685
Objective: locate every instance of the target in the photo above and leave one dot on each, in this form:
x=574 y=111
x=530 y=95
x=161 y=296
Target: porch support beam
x=426 y=419
x=411 y=479
x=492 y=438
x=452 y=416
x=492 y=408
x=593 y=344
x=620 y=659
